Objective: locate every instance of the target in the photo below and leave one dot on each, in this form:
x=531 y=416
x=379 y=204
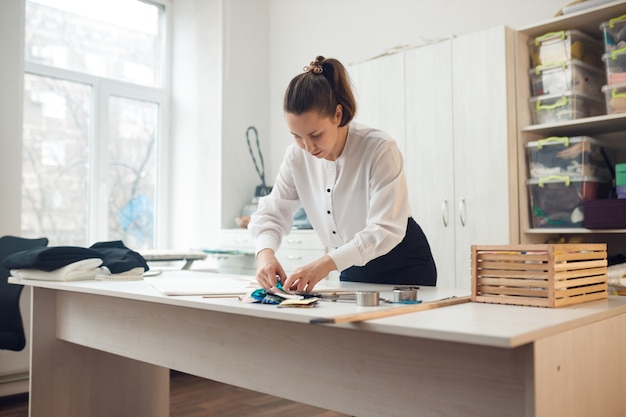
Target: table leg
x=75 y=381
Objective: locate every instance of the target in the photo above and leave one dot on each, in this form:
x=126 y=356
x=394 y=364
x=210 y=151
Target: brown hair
x=323 y=84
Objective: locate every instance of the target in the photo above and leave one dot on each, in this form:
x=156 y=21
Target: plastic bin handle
x=615 y=94
x=553 y=139
x=559 y=103
x=549 y=35
x=617 y=52
x=615 y=20
x=563 y=178
x=550 y=65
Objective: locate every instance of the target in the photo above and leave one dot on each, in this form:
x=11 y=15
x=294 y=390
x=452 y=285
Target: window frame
x=103 y=89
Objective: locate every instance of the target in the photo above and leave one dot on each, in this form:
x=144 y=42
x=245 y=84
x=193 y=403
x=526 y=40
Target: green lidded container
x=620 y=174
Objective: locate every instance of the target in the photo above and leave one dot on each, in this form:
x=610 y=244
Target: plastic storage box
x=615 y=64
x=620 y=180
x=553 y=108
x=570 y=156
x=557 y=201
x=615 y=98
x=605 y=214
x=564 y=46
x=614 y=32
x=564 y=76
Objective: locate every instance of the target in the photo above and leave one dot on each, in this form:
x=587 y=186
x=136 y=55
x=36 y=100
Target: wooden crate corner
x=548 y=275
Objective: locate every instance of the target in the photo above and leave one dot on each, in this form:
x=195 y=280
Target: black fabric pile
x=114 y=255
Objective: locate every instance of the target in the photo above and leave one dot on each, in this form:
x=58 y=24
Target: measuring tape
x=401 y=295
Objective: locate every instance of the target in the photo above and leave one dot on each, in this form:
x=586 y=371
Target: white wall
x=245 y=100
x=195 y=147
x=219 y=87
x=11 y=82
x=13 y=365
x=355 y=30
x=234 y=58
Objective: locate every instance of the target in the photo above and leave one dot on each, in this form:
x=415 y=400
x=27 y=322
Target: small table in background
x=170 y=255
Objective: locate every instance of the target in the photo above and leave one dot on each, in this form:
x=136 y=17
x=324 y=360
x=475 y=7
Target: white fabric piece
x=616 y=275
x=134 y=274
x=80 y=270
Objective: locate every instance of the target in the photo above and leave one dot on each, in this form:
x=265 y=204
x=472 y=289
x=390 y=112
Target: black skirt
x=409 y=263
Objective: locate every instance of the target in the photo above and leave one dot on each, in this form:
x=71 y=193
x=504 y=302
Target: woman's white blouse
x=358 y=204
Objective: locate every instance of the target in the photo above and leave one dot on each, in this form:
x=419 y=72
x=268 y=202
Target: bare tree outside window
x=93 y=104
x=132 y=133
x=55 y=166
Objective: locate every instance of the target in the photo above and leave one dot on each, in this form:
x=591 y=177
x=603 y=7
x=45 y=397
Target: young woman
x=350 y=180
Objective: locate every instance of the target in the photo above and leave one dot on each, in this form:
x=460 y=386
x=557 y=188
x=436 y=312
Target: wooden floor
x=196 y=397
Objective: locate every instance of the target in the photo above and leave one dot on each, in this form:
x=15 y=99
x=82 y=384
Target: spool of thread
x=367 y=298
x=405 y=295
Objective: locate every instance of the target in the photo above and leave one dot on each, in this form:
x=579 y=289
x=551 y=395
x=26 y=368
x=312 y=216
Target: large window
x=94 y=117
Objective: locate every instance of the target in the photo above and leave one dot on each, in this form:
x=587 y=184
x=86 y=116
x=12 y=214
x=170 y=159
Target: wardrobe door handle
x=444 y=213
x=462 y=212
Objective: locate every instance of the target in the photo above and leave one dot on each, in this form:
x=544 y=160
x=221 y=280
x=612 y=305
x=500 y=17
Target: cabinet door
x=430 y=152
x=379 y=91
x=484 y=148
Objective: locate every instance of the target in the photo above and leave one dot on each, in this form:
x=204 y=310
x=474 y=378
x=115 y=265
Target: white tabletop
x=474 y=323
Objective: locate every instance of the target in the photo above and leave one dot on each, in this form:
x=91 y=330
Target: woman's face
x=318 y=135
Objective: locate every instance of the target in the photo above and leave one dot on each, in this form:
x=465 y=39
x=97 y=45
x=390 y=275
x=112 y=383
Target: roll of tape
x=366 y=298
x=406 y=295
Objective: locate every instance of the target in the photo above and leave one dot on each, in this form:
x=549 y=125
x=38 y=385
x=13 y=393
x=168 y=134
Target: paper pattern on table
x=197 y=283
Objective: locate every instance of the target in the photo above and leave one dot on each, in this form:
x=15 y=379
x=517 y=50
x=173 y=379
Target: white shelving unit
x=611 y=129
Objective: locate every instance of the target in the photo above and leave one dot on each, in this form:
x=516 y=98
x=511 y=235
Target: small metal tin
x=404 y=294
x=367 y=298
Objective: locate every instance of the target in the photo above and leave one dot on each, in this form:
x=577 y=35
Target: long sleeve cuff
x=346 y=256
x=267 y=241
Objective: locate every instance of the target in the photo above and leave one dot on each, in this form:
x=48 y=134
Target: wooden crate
x=550 y=275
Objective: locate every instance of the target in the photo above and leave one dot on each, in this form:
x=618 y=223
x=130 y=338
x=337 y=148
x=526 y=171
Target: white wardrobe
x=451 y=107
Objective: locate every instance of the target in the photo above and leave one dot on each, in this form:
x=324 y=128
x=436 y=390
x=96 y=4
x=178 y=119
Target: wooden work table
x=103 y=348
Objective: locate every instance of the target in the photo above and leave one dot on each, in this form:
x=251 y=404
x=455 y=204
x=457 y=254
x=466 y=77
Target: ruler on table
x=377 y=314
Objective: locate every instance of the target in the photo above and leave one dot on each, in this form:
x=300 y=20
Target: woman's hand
x=304 y=278
x=268 y=269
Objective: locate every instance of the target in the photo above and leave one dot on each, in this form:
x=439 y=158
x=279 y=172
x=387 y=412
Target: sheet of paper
x=196 y=283
x=210 y=283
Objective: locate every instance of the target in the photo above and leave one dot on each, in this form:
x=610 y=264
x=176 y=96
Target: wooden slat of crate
x=490 y=270
x=526 y=292
x=537 y=259
x=539 y=275
x=588 y=294
x=515 y=300
x=514 y=282
x=513 y=266
x=584 y=285
x=592 y=276
x=554 y=247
